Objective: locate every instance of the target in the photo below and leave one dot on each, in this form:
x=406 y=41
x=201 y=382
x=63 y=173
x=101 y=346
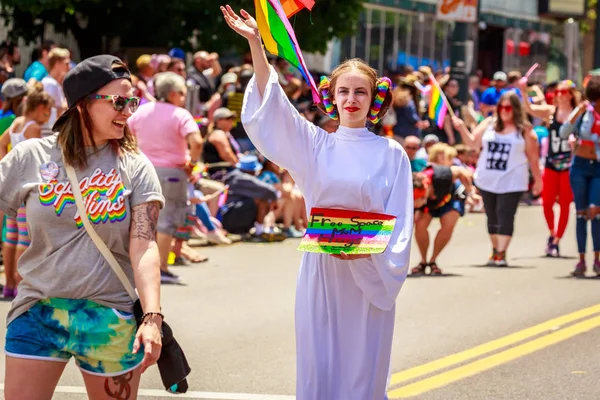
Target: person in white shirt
x=59 y=63
x=345 y=304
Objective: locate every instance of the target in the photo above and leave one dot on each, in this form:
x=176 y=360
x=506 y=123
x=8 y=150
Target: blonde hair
x=57 y=54
x=37 y=97
x=356 y=65
x=441 y=149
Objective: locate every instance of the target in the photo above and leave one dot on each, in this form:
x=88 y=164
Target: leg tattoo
x=118 y=387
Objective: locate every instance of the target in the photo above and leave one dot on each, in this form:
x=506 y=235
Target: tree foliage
x=191 y=24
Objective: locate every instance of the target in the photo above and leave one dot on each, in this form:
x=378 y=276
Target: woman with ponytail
x=29 y=126
x=345 y=304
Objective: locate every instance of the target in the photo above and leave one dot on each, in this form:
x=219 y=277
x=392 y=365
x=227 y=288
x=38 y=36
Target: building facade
x=510 y=35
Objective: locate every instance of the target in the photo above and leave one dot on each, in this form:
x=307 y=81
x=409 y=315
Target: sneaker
x=292 y=233
x=492 y=261
x=9 y=293
x=169 y=277
x=580 y=270
x=597 y=267
x=549 y=246
x=217 y=237
x=501 y=259
x=554 y=251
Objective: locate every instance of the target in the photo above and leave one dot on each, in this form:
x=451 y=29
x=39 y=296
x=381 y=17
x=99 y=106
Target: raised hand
x=246 y=26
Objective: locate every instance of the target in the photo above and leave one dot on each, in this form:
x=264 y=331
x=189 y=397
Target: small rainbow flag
x=332 y=231
x=437 y=104
x=201 y=121
x=223 y=197
x=280 y=39
x=291 y=7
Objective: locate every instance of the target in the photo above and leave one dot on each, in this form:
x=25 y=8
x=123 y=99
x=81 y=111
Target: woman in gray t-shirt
x=70 y=303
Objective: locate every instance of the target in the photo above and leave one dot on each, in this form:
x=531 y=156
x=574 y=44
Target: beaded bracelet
x=162 y=317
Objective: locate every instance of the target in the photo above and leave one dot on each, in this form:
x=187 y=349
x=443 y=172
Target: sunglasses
x=411 y=148
x=119 y=102
x=504 y=108
x=563 y=92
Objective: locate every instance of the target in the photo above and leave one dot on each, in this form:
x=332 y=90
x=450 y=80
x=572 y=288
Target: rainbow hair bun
x=569 y=83
x=324 y=87
x=383 y=85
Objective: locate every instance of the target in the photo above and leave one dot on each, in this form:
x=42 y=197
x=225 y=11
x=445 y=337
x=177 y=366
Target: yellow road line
x=494 y=345
x=492 y=361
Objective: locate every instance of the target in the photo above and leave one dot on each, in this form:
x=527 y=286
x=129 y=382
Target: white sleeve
x=276 y=128
x=381 y=277
x=53 y=90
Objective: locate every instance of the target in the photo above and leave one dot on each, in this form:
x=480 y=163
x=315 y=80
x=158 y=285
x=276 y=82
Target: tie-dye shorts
x=99 y=338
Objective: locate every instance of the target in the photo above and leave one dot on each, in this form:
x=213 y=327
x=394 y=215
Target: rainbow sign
x=353 y=232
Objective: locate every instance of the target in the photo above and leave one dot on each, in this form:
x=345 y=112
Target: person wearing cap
x=70 y=303
x=228 y=84
x=221 y=151
x=491 y=96
x=164 y=130
x=13 y=91
x=58 y=66
x=249 y=209
x=428 y=141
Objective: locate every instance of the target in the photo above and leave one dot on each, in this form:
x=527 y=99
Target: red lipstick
x=352 y=109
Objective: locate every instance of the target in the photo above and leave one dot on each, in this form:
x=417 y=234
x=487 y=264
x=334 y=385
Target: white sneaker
x=217 y=237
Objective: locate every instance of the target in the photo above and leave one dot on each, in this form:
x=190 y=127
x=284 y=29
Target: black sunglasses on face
x=119 y=102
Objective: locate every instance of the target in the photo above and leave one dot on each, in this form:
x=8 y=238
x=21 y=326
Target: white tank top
x=16 y=138
x=503 y=166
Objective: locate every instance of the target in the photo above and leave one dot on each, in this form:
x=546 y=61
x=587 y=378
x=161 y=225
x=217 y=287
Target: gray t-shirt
x=62 y=261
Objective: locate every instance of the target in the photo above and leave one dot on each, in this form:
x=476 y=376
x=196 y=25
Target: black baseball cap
x=88 y=76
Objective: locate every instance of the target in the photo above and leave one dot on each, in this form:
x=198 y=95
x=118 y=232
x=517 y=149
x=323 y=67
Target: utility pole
x=458 y=59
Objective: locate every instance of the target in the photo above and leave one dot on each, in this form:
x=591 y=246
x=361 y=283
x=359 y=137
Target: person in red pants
x=557 y=188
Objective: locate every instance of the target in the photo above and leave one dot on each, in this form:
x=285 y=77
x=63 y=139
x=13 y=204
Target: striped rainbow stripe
x=280 y=40
x=353 y=232
x=437 y=105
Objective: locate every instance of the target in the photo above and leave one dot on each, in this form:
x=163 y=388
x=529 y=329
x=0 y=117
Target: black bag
x=172 y=364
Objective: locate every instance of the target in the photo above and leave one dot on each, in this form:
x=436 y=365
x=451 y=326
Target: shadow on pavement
x=584 y=278
x=510 y=266
x=434 y=276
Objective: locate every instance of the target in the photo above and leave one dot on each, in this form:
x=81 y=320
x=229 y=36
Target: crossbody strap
x=102 y=247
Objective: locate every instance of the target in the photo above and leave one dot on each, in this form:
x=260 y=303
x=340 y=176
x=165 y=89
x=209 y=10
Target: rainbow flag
x=291 y=7
x=201 y=121
x=437 y=104
x=332 y=231
x=223 y=197
x=280 y=40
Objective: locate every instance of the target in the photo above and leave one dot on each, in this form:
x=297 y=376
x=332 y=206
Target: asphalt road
x=234 y=318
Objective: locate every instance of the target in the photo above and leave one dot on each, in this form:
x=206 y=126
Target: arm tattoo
x=144 y=219
x=119 y=387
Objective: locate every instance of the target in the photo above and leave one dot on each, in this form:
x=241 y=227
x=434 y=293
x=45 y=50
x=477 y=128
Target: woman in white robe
x=345 y=305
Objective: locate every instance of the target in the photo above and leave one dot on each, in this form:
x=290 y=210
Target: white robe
x=344 y=309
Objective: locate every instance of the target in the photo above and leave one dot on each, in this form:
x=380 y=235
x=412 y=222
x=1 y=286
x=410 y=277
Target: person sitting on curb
x=250 y=203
